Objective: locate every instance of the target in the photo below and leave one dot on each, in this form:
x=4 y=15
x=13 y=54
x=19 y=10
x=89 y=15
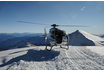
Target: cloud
x=83 y=8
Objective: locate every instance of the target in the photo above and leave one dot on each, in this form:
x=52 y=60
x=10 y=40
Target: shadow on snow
x=34 y=55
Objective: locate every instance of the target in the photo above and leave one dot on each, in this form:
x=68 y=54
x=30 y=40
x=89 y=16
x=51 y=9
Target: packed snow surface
x=97 y=50
x=36 y=58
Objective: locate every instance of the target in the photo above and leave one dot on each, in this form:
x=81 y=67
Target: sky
x=86 y=13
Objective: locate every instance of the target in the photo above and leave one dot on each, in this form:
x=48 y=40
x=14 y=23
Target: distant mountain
x=82 y=38
x=20 y=42
x=102 y=35
x=21 y=34
x=4 y=37
x=26 y=34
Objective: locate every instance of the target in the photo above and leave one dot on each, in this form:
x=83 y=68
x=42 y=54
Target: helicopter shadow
x=34 y=55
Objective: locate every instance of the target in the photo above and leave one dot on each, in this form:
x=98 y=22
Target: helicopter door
x=65 y=40
x=59 y=35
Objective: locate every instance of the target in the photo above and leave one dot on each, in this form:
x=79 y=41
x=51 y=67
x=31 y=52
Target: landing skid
x=49 y=49
x=64 y=47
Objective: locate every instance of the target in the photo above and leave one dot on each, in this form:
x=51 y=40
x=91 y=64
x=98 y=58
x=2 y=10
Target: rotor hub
x=54 y=25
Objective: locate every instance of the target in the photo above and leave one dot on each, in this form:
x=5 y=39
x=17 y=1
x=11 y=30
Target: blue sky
x=68 y=13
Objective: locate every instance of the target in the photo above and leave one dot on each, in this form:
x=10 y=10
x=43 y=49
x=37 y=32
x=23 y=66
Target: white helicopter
x=56 y=36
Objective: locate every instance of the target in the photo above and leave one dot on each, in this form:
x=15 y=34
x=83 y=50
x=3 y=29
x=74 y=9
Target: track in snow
x=76 y=58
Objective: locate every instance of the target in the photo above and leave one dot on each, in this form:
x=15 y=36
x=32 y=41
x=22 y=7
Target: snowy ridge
x=82 y=38
x=90 y=36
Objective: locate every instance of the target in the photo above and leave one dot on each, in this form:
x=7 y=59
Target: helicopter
x=56 y=36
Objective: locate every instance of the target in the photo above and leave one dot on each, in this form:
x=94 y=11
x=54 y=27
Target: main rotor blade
x=51 y=25
x=73 y=25
x=32 y=23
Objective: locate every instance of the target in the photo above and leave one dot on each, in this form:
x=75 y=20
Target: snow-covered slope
x=82 y=38
x=36 y=58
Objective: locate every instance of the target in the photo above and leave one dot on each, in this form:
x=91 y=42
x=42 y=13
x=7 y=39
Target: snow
x=90 y=36
x=82 y=38
x=36 y=58
x=87 y=53
x=98 y=50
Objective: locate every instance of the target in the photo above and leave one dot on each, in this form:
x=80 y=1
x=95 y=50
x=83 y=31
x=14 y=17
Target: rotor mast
x=54 y=25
